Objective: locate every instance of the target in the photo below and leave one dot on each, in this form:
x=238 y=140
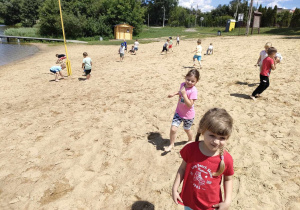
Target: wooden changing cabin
x=123 y=31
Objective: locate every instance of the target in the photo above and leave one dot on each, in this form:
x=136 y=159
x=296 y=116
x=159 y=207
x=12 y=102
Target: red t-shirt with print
x=266 y=66
x=201 y=190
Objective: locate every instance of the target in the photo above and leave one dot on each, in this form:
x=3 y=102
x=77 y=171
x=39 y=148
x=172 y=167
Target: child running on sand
x=136 y=46
x=268 y=64
x=165 y=47
x=204 y=164
x=170 y=43
x=198 y=53
x=185 y=108
x=87 y=65
x=60 y=58
x=177 y=39
x=263 y=54
x=57 y=71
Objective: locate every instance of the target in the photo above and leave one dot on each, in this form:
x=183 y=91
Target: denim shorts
x=187 y=208
x=187 y=123
x=198 y=57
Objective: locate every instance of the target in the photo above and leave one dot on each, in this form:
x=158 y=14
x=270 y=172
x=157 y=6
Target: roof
x=123 y=24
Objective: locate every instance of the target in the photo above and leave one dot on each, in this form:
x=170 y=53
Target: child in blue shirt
x=57 y=71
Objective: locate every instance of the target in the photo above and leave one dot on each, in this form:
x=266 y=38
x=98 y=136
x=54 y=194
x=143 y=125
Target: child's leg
x=88 y=76
x=56 y=77
x=264 y=83
x=187 y=124
x=175 y=123
x=173 y=131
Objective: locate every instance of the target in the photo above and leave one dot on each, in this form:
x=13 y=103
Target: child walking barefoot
x=204 y=164
x=198 y=53
x=185 y=108
x=87 y=65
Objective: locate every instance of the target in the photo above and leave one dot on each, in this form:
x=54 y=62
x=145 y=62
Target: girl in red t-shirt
x=204 y=164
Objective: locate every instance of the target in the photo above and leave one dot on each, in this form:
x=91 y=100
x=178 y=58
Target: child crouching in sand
x=185 y=108
x=57 y=71
x=204 y=164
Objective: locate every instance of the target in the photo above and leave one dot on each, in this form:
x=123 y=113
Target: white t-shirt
x=166 y=44
x=263 y=55
x=210 y=47
x=87 y=63
x=199 y=50
x=136 y=44
x=177 y=38
x=122 y=49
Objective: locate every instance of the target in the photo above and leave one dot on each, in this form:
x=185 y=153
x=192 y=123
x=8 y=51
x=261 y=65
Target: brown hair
x=219 y=122
x=193 y=72
x=272 y=50
x=85 y=54
x=142 y=205
x=199 y=41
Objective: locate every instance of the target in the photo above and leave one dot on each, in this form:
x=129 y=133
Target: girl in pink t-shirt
x=204 y=164
x=185 y=108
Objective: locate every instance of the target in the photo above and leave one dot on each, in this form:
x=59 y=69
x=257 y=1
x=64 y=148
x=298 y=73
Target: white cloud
x=272 y=3
x=203 y=5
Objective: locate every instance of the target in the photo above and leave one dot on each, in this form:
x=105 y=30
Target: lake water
x=13 y=51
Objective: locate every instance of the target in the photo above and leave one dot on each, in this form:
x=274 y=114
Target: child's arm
x=187 y=101
x=228 y=183
x=82 y=66
x=258 y=60
x=171 y=95
x=178 y=180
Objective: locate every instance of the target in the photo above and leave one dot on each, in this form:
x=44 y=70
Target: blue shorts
x=136 y=49
x=54 y=72
x=198 y=57
x=187 y=123
x=187 y=208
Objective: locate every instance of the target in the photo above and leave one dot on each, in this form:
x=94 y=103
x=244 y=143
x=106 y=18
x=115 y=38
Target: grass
x=27 y=32
x=153 y=34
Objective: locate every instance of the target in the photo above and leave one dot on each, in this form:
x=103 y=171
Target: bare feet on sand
x=168 y=148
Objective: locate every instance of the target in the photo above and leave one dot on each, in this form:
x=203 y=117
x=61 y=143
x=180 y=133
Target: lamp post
x=164 y=16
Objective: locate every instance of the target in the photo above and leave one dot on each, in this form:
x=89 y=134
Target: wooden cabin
x=123 y=31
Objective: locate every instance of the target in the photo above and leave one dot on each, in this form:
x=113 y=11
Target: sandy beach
x=98 y=144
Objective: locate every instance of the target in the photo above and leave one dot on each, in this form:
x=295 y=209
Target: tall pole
x=164 y=16
x=249 y=18
x=237 y=7
x=148 y=20
x=68 y=64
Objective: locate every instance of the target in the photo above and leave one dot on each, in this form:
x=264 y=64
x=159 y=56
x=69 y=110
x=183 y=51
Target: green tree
x=50 y=24
x=295 y=21
x=10 y=11
x=30 y=12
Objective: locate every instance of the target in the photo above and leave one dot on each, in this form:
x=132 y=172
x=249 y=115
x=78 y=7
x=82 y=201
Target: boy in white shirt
x=210 y=50
x=165 y=47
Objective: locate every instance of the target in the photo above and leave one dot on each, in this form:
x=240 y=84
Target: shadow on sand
x=239 y=95
x=246 y=83
x=156 y=139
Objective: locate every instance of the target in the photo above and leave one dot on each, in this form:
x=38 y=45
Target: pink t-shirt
x=183 y=110
x=201 y=190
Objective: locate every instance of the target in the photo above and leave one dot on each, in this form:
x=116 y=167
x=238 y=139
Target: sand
x=98 y=144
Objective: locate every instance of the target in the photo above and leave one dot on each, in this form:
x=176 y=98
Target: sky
x=208 y=5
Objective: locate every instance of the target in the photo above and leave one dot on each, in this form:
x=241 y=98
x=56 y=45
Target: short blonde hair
x=63 y=65
x=268 y=44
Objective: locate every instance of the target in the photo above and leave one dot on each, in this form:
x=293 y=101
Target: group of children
x=123 y=48
x=205 y=162
x=57 y=70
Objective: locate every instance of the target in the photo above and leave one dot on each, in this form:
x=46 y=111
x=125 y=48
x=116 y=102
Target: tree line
x=88 y=18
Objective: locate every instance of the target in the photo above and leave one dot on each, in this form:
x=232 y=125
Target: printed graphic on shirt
x=202 y=176
x=181 y=99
